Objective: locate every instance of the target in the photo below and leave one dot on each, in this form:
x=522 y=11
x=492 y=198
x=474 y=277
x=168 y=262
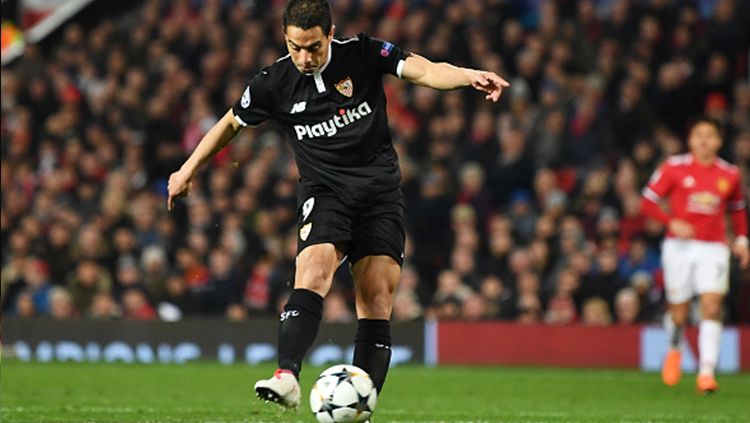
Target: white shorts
x=694 y=267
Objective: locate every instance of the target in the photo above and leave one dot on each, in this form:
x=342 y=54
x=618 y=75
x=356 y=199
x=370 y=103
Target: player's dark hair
x=308 y=14
x=709 y=120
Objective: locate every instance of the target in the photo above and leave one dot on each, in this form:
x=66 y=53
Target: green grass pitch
x=207 y=392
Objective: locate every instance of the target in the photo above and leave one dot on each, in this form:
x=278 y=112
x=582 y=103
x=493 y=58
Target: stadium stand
x=527 y=210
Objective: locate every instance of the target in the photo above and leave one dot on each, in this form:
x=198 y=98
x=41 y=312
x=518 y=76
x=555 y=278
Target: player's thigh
x=375 y=281
x=323 y=219
x=679 y=266
x=323 y=236
x=315 y=267
x=379 y=231
x=712 y=270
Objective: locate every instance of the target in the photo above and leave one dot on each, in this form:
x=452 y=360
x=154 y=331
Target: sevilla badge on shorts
x=304 y=231
x=346 y=87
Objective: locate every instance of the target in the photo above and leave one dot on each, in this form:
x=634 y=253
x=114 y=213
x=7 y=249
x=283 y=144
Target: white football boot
x=282 y=388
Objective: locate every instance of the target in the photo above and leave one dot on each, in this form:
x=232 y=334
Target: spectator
x=639 y=258
x=598 y=98
x=136 y=306
x=627 y=306
x=474 y=308
x=336 y=310
x=596 y=312
x=406 y=305
x=236 y=312
x=104 y=307
x=61 y=304
x=528 y=302
x=498 y=298
x=522 y=215
x=155 y=267
x=450 y=287
x=38 y=285
x=561 y=309
x=87 y=280
x=24 y=306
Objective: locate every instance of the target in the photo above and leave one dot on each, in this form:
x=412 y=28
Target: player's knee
x=314 y=274
x=377 y=303
x=711 y=311
x=679 y=321
x=679 y=318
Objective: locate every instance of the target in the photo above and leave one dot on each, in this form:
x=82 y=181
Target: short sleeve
x=659 y=185
x=256 y=103
x=386 y=57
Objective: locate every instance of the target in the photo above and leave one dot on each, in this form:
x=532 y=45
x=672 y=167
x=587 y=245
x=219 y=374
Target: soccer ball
x=343 y=394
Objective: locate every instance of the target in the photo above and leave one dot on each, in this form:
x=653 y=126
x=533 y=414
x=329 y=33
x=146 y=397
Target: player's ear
x=331 y=32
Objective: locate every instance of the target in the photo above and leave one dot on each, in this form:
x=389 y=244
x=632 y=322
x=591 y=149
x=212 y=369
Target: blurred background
x=526 y=210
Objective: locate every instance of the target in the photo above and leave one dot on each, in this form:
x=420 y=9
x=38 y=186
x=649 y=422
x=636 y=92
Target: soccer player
x=328 y=96
x=699 y=188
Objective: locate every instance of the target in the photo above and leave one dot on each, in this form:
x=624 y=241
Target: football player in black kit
x=328 y=96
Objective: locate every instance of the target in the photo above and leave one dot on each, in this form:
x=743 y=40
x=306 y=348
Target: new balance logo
x=287 y=314
x=298 y=107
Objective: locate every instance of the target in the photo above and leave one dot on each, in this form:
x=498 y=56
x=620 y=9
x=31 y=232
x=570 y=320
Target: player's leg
x=674 y=323
x=709 y=338
x=713 y=282
x=324 y=228
x=678 y=277
x=300 y=322
x=375 y=278
x=377 y=253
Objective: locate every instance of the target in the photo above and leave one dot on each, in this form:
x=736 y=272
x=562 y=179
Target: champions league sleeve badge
x=385 y=51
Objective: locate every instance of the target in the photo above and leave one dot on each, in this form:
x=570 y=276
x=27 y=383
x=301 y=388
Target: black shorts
x=369 y=230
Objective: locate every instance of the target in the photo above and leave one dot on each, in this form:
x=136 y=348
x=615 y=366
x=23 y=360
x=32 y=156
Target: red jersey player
x=699 y=188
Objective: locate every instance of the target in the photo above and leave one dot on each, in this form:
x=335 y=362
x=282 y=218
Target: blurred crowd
x=525 y=210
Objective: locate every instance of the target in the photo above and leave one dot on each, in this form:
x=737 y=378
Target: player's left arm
x=737 y=206
x=445 y=76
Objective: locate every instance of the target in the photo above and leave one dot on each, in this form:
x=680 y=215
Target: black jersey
x=335 y=118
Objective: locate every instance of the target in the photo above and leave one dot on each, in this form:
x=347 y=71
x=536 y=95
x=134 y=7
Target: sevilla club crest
x=304 y=231
x=346 y=87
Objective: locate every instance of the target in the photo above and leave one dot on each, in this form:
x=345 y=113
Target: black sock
x=299 y=327
x=676 y=336
x=372 y=349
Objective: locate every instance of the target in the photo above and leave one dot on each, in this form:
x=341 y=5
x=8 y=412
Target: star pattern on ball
x=342 y=375
x=329 y=408
x=361 y=404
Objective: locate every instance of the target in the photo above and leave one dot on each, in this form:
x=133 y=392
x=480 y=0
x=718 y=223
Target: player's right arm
x=659 y=186
x=215 y=139
x=254 y=107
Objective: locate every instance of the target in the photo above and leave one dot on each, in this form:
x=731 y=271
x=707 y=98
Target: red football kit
x=698 y=194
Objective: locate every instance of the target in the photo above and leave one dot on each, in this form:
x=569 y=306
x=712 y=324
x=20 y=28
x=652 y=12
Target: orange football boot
x=706 y=384
x=671 y=370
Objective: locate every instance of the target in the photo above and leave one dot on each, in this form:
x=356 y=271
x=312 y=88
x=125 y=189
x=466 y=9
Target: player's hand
x=178 y=186
x=490 y=83
x=681 y=229
x=742 y=251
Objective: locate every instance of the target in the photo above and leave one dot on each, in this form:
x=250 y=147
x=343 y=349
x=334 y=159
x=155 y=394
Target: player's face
x=308 y=47
x=704 y=141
